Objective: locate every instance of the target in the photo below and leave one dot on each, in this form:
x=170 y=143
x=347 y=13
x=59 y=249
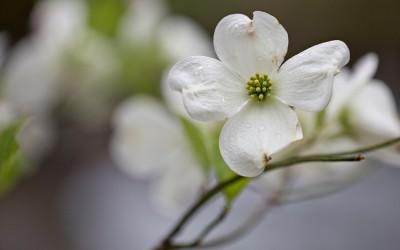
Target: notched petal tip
x=260 y=14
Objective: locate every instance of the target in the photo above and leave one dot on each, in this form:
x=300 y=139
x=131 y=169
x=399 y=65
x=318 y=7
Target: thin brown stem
x=369 y=148
x=339 y=156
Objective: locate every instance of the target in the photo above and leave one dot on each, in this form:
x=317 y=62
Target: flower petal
x=305 y=80
x=251 y=46
x=144 y=137
x=140 y=22
x=374 y=112
x=365 y=68
x=210 y=91
x=255 y=133
x=180 y=37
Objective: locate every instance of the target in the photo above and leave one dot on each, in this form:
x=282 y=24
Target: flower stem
x=211 y=193
x=166 y=243
x=369 y=148
x=335 y=157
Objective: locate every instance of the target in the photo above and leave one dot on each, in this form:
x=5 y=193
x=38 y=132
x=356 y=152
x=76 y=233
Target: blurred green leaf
x=11 y=166
x=321 y=117
x=105 y=15
x=197 y=141
x=223 y=172
x=142 y=66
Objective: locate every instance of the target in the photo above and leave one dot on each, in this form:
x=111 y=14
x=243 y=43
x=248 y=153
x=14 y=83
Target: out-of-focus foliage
x=11 y=162
x=105 y=15
x=223 y=172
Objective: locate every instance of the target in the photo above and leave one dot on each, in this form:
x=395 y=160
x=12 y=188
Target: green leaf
x=321 y=117
x=11 y=166
x=105 y=15
x=223 y=172
x=141 y=68
x=198 y=142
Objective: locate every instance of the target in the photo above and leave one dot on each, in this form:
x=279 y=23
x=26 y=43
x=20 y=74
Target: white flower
x=250 y=86
x=76 y=68
x=66 y=18
x=148 y=21
x=366 y=109
x=149 y=143
x=140 y=22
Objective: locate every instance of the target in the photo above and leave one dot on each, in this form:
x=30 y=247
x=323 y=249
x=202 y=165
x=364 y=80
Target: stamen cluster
x=259 y=87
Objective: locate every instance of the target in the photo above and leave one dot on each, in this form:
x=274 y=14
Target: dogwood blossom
x=249 y=85
x=366 y=109
x=149 y=143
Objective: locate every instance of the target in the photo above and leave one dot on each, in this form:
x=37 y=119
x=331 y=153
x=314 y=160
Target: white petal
x=140 y=22
x=66 y=18
x=180 y=37
x=30 y=78
x=347 y=84
x=365 y=68
x=210 y=91
x=305 y=80
x=144 y=136
x=172 y=98
x=374 y=112
x=258 y=131
x=251 y=46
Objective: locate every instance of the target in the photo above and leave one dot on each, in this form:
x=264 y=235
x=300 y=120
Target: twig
x=197 y=242
x=221 y=186
x=369 y=148
x=340 y=156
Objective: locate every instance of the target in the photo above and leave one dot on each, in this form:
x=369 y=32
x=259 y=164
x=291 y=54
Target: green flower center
x=259 y=87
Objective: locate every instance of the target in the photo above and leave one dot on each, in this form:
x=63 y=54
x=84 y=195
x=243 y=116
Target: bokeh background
x=77 y=200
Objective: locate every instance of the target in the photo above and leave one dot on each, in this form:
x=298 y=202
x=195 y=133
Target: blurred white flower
x=139 y=24
x=74 y=68
x=30 y=78
x=149 y=142
x=366 y=109
x=180 y=37
x=362 y=112
x=250 y=86
x=149 y=21
x=66 y=18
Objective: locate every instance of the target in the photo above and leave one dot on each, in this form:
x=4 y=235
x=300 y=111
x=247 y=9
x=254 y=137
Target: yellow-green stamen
x=259 y=87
